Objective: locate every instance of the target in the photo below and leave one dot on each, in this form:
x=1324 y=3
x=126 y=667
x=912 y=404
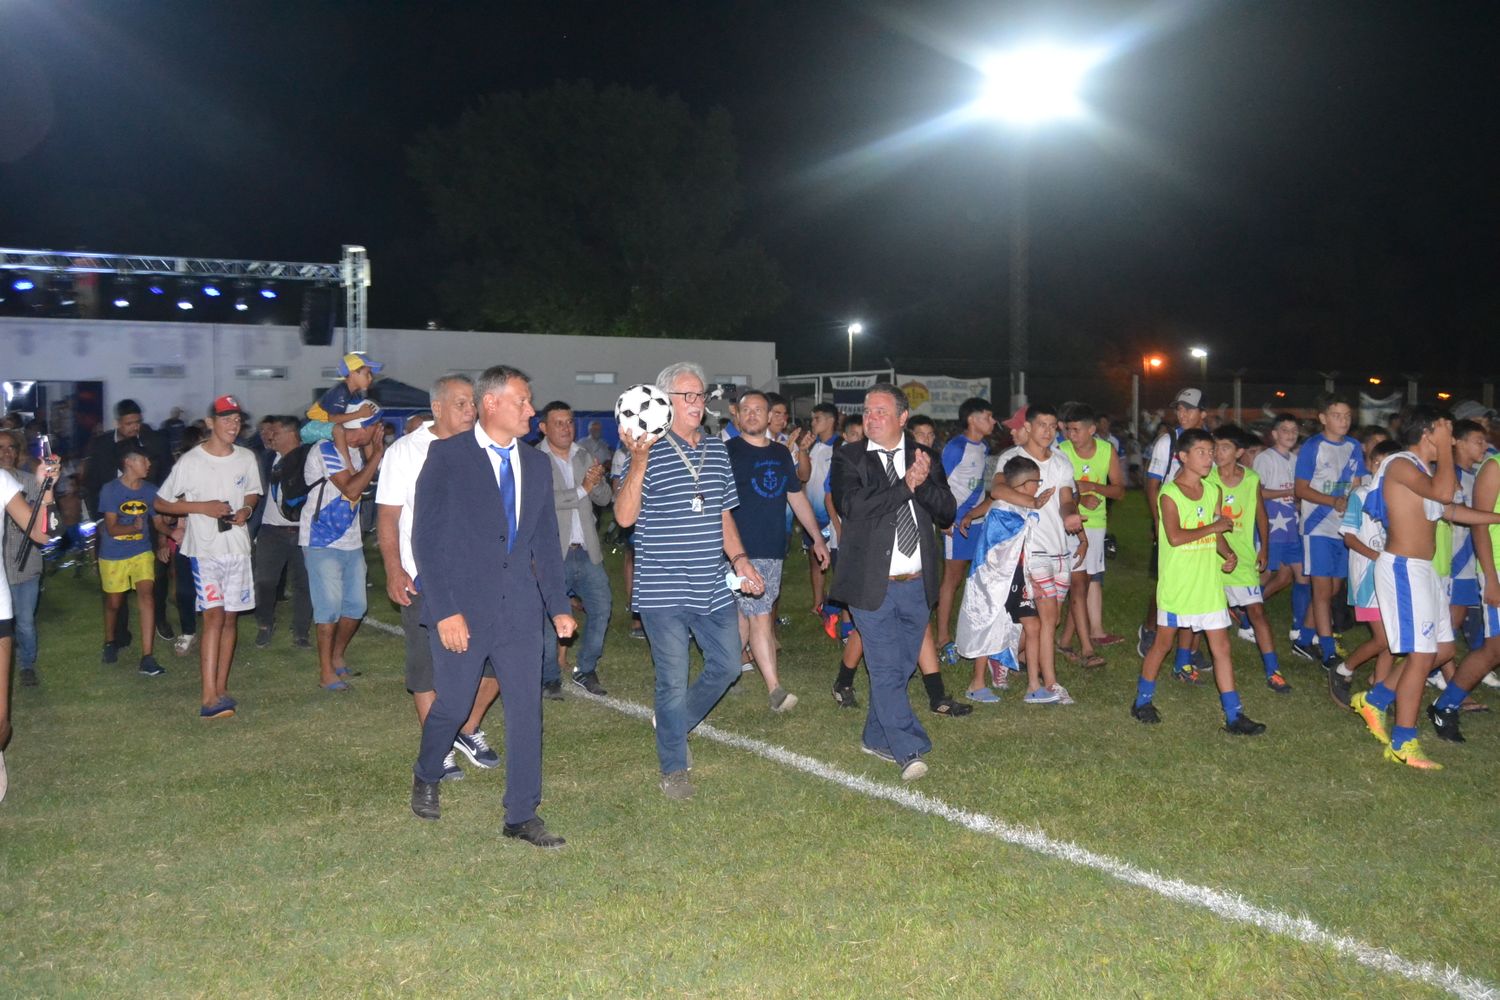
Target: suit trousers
x=892 y=636
x=516 y=655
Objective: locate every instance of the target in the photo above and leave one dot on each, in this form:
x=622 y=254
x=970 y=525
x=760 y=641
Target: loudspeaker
x=318 y=316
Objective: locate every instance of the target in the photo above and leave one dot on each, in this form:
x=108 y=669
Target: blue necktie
x=507 y=495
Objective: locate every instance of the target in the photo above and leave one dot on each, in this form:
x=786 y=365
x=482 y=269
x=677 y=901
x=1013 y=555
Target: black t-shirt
x=763 y=477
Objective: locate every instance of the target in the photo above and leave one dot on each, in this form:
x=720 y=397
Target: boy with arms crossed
x=1194 y=559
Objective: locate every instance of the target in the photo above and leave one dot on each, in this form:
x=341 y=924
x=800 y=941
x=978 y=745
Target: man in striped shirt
x=678 y=491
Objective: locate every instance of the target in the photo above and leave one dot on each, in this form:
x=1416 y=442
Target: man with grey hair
x=395 y=505
x=678 y=491
x=891 y=494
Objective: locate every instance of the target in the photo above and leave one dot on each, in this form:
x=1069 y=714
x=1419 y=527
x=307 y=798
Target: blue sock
x=1381 y=697
x=1325 y=643
x=1184 y=658
x=1272 y=664
x=1231 y=702
x=1301 y=601
x=1144 y=690
x=1400 y=735
x=1452 y=697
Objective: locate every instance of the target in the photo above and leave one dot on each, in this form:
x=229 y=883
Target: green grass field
x=146 y=853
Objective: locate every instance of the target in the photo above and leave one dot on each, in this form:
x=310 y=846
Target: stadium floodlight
x=1036 y=83
x=853 y=330
x=1201 y=353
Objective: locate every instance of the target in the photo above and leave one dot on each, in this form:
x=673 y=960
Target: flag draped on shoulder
x=985 y=625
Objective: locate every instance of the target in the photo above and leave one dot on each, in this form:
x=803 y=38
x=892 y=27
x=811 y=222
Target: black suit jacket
x=103 y=463
x=458 y=540
x=867 y=503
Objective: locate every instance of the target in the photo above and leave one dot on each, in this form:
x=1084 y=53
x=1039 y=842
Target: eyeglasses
x=691 y=397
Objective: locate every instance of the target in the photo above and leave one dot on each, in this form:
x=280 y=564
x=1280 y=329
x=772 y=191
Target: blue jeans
x=892 y=635
x=589 y=581
x=336 y=579
x=23 y=598
x=679 y=705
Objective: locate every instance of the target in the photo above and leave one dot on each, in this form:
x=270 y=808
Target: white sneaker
x=183 y=643
x=1248 y=634
x=1295 y=635
x=1063 y=698
x=1490 y=680
x=914 y=769
x=1437 y=680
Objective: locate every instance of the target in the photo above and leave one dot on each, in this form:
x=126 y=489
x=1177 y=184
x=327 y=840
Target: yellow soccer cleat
x=1374 y=717
x=1410 y=753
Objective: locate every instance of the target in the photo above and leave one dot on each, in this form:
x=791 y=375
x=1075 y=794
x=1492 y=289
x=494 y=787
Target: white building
x=270 y=370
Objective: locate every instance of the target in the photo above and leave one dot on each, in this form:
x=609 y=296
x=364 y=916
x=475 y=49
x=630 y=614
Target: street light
x=1201 y=353
x=1025 y=87
x=854 y=328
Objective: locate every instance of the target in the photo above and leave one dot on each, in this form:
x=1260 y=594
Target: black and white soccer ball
x=643 y=410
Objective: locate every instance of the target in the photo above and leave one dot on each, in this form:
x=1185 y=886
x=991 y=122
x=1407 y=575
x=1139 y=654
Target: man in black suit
x=891 y=494
x=484 y=538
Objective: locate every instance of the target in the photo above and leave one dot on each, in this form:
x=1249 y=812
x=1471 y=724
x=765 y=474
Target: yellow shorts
x=121 y=575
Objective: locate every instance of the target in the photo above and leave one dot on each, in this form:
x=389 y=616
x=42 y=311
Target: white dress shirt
x=901 y=563
x=514 y=449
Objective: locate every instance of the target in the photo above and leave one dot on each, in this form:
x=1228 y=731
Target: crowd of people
x=919 y=552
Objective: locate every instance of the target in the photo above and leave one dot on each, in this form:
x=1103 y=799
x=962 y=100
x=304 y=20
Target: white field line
x=1227 y=905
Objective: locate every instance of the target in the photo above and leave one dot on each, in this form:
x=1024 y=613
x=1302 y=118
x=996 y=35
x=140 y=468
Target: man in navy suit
x=489 y=570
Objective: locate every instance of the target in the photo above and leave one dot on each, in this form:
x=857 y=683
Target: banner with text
x=849 y=391
x=938 y=396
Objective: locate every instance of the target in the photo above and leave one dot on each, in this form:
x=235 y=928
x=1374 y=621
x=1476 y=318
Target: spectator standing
x=127 y=558
x=24 y=578
x=277 y=551
x=597 y=448
x=578 y=486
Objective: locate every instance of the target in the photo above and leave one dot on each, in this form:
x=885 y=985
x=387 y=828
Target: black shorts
x=7 y=628
x=1017 y=604
x=419 y=649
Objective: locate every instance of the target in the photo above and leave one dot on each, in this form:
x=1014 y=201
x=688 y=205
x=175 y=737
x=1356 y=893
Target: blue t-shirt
x=762 y=478
x=131 y=507
x=1331 y=468
x=679 y=552
x=335 y=402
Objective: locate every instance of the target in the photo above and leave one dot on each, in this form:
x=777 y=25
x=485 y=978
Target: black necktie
x=906 y=524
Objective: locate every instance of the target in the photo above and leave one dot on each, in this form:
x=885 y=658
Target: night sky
x=1303 y=184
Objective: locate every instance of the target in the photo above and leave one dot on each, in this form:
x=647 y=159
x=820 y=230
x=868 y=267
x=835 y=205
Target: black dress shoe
x=424 y=798
x=534 y=832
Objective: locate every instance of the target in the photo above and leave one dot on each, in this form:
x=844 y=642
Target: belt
x=908 y=576
x=277 y=527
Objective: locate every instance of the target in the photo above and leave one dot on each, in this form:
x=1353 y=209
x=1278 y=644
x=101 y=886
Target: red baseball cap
x=1016 y=420
x=224 y=406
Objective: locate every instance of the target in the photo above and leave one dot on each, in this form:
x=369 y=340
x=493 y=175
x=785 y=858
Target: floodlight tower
x=1026 y=87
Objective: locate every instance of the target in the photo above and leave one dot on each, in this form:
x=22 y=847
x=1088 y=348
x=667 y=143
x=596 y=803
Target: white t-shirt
x=1163 y=462
x=9 y=487
x=198 y=477
x=1046 y=535
x=398 y=485
x=324 y=461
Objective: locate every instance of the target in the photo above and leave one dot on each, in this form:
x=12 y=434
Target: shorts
x=956 y=546
x=1412 y=606
x=7 y=627
x=1017 y=604
x=336 y=581
x=1093 y=559
x=226 y=582
x=1283 y=554
x=1243 y=597
x=1198 y=623
x=1465 y=592
x=1324 y=556
x=419 y=649
x=317 y=430
x=1367 y=614
x=119 y=576
x=762 y=603
x=1047 y=576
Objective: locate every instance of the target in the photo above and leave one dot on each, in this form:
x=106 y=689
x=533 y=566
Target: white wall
x=209 y=354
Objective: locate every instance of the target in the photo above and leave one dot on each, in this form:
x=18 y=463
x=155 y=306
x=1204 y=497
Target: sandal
x=1095 y=660
x=1069 y=652
x=947 y=706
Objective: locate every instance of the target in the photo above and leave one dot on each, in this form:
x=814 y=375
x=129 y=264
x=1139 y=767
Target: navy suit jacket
x=458 y=540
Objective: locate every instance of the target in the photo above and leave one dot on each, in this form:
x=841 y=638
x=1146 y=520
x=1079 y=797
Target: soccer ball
x=643 y=410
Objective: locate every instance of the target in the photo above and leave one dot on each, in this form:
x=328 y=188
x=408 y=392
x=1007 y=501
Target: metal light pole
x=854 y=328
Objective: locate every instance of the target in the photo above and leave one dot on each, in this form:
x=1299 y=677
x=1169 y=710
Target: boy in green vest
x=1242 y=503
x=1097 y=478
x=1193 y=562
